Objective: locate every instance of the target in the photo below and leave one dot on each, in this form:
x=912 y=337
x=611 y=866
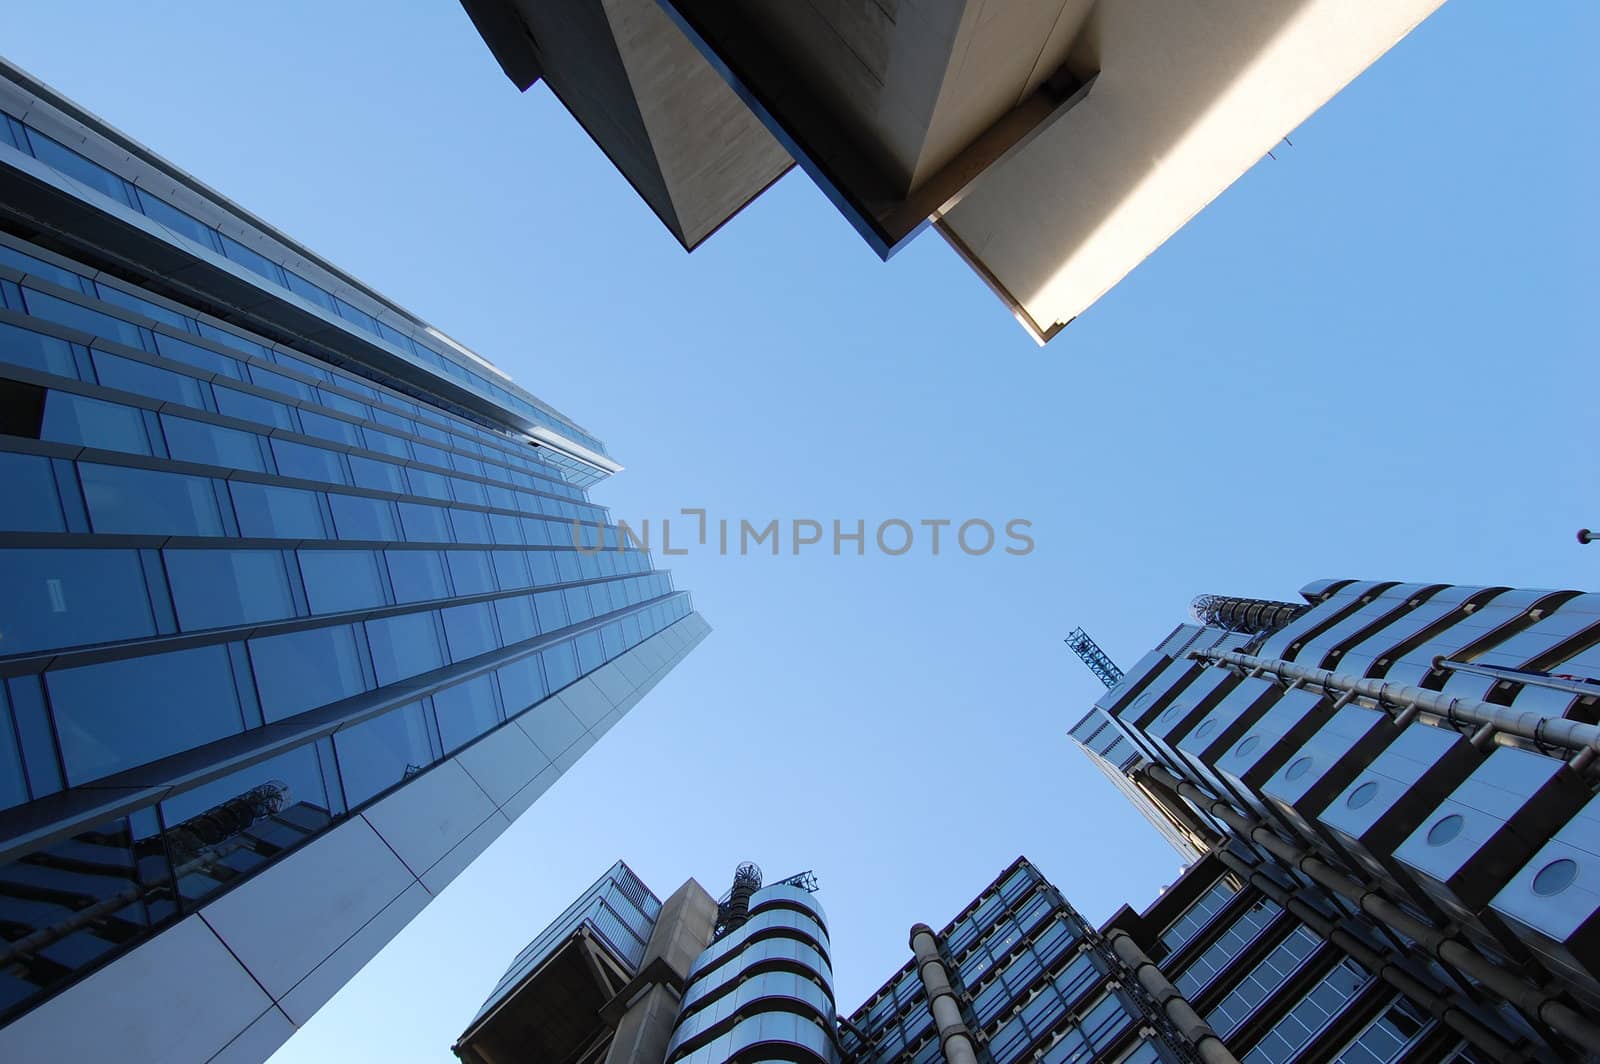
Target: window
x=1310 y=1014
x=521 y=684
x=471 y=572
x=424 y=524
x=428 y=485
x=340 y=580
x=31 y=501
x=551 y=609
x=1197 y=915
x=218 y=588
x=404 y=646
x=469 y=630
x=63 y=598
x=24 y=347
x=510 y=569
x=305 y=462
x=77 y=316
x=196 y=441
x=560 y=665
x=1229 y=944
x=378 y=753
x=304 y=670
x=1271 y=973
x=328 y=428
x=417 y=575
x=516 y=619
x=195 y=355
x=471 y=526
x=143 y=501
x=251 y=260
x=377 y=476
x=465 y=712
x=247 y=407
x=70 y=418
x=269 y=512
x=358 y=517
x=127 y=375
x=119 y=714
x=1388 y=1036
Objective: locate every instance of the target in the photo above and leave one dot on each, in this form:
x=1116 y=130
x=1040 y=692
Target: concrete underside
x=1054 y=143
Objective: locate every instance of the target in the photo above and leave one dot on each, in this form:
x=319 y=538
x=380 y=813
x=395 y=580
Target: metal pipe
x=1536 y=679
x=954 y=1037
x=1525 y=996
x=1548 y=731
x=1207 y=1043
x=1442 y=1008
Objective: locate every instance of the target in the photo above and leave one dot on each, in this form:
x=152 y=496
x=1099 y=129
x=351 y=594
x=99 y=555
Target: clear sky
x=1373 y=357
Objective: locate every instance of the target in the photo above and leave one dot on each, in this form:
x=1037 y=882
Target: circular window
x=1205 y=729
x=1248 y=747
x=1555 y=877
x=1446 y=829
x=1362 y=795
x=1172 y=711
x=1297 y=768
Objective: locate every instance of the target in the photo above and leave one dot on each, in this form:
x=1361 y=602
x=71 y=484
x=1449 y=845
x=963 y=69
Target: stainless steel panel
x=426 y=818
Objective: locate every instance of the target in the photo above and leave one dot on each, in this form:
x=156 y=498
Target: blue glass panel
x=329 y=428
x=339 y=580
x=13 y=784
x=394 y=336
x=269 y=512
x=138 y=305
x=143 y=501
x=469 y=630
x=378 y=753
x=578 y=608
x=591 y=652
x=510 y=569
x=307 y=290
x=70 y=418
x=232 y=340
x=119 y=714
x=516 y=619
x=521 y=684
x=544 y=567
x=358 y=517
x=506 y=529
x=127 y=375
x=560 y=665
x=354 y=316
x=197 y=441
x=334 y=401
x=60 y=157
x=471 y=526
x=470 y=571
x=277 y=382
x=24 y=347
x=304 y=462
x=417 y=575
x=301 y=366
x=551 y=609
x=62 y=598
x=254 y=408
x=31 y=503
x=196 y=356
x=424 y=524
x=404 y=646
x=465 y=712
x=218 y=588
x=431 y=455
x=252 y=260
x=180 y=222
x=377 y=476
x=93 y=322
x=469 y=491
x=304 y=670
x=384 y=443
x=37 y=267
x=428 y=485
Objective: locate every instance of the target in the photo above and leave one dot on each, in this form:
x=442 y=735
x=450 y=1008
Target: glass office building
x=294 y=618
x=1392 y=786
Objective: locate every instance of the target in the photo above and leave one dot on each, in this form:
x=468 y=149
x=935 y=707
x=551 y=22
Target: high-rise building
x=294 y=619
x=1393 y=788
x=1018 y=975
x=1054 y=145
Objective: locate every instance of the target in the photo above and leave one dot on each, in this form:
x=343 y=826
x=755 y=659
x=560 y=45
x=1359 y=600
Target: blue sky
x=1369 y=358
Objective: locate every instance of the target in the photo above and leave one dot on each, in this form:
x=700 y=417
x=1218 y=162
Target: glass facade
x=257 y=577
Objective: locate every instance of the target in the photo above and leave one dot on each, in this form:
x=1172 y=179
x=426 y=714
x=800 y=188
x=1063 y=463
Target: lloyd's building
x=293 y=622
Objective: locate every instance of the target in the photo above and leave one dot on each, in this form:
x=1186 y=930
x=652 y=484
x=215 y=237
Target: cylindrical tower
x=764 y=989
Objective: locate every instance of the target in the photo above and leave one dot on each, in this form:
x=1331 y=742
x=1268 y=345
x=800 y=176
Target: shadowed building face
x=1054 y=144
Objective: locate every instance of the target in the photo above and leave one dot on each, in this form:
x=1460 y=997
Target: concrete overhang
x=1054 y=143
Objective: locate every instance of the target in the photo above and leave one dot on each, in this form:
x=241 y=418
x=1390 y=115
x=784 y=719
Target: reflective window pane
x=469 y=630
x=404 y=646
x=270 y=512
x=196 y=441
x=62 y=598
x=417 y=575
x=560 y=665
x=218 y=588
x=119 y=714
x=304 y=670
x=143 y=501
x=521 y=684
x=89 y=422
x=465 y=712
x=378 y=753
x=340 y=580
x=516 y=619
x=305 y=462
